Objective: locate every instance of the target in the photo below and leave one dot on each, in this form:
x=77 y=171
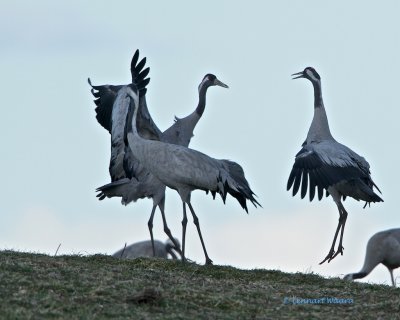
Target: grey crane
x=326 y=164
x=145 y=249
x=185 y=170
x=130 y=180
x=383 y=247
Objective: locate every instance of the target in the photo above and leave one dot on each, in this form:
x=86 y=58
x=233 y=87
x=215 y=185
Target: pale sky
x=55 y=153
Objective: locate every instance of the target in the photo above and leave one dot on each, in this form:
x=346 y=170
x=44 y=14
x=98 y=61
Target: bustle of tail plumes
x=234 y=182
x=124 y=188
x=373 y=197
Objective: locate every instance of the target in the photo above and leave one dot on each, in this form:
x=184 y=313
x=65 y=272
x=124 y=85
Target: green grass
x=36 y=286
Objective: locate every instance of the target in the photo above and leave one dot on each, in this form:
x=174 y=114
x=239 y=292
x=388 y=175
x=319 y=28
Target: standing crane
x=327 y=164
x=185 y=170
x=130 y=180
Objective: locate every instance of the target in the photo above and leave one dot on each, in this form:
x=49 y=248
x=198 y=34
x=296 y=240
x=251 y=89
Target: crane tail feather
x=237 y=186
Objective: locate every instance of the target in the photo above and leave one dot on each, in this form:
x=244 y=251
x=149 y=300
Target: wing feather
x=111 y=112
x=304 y=184
x=312 y=184
x=323 y=165
x=296 y=182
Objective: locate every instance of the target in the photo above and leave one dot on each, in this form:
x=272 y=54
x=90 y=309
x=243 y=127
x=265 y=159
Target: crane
x=130 y=180
x=185 y=170
x=145 y=249
x=383 y=247
x=326 y=164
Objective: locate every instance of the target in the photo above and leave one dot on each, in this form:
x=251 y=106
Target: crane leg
x=173 y=255
x=391 y=276
x=340 y=227
x=197 y=224
x=332 y=250
x=167 y=230
x=184 y=223
x=150 y=225
x=340 y=249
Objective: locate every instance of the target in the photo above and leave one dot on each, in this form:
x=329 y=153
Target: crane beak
x=298 y=74
x=220 y=83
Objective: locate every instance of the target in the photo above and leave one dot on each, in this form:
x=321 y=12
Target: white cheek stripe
x=311 y=75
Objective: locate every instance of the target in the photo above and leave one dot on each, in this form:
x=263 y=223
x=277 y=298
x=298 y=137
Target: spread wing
x=112 y=108
x=118 y=149
x=181 y=131
x=324 y=164
x=106 y=96
x=147 y=128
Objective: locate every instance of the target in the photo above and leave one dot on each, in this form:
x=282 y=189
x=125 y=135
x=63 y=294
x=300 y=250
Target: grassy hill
x=35 y=286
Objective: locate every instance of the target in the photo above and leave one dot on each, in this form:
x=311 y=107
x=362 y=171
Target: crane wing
x=112 y=108
x=324 y=164
x=106 y=96
x=118 y=123
x=147 y=128
x=181 y=131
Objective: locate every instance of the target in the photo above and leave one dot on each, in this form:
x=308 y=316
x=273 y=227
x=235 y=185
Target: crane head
x=211 y=80
x=308 y=73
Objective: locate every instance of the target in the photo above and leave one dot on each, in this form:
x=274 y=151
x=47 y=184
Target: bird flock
x=145 y=160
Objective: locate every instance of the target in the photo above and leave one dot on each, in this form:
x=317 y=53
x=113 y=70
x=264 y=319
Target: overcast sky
x=55 y=154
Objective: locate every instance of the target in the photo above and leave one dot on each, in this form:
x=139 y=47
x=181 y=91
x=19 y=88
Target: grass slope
x=35 y=286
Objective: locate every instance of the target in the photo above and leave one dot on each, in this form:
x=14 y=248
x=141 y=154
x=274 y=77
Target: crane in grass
x=145 y=249
x=383 y=247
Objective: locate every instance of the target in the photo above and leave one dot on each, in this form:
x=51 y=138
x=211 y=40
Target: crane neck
x=202 y=101
x=319 y=129
x=318 y=102
x=132 y=115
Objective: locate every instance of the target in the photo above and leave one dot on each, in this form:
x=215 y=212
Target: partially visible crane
x=145 y=249
x=383 y=247
x=130 y=180
x=185 y=170
x=326 y=164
